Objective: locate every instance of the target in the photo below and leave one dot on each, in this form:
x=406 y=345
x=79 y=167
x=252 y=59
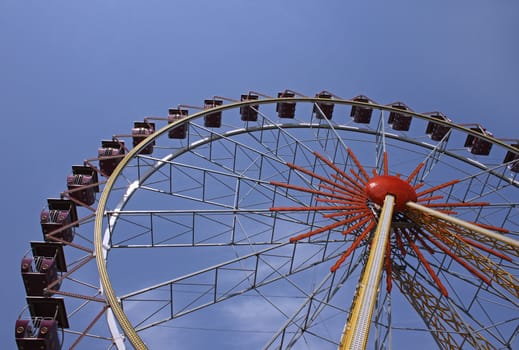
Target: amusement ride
x=281 y=222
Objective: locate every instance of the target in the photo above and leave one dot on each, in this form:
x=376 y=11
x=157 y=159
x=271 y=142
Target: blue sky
x=73 y=73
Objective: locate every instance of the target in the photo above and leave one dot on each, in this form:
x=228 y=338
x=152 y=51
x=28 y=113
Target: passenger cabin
x=249 y=113
x=437 y=131
x=83 y=184
x=110 y=155
x=140 y=131
x=213 y=120
x=478 y=145
x=513 y=158
x=58 y=219
x=50 y=249
x=322 y=110
x=39 y=271
x=361 y=114
x=286 y=109
x=37 y=334
x=40 y=332
x=399 y=121
x=179 y=131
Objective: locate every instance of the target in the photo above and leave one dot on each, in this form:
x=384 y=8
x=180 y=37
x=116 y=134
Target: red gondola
x=399 y=121
x=179 y=131
x=83 y=184
x=40 y=332
x=37 y=334
x=437 y=131
x=323 y=110
x=513 y=159
x=110 y=155
x=478 y=145
x=361 y=114
x=249 y=113
x=58 y=219
x=140 y=131
x=286 y=109
x=213 y=120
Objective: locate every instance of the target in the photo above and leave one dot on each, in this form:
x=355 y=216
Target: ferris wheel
x=288 y=222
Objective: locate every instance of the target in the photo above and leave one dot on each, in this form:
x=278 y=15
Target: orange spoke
x=357 y=176
x=432 y=198
x=352 y=194
x=341 y=201
x=308 y=190
x=447 y=229
x=357 y=163
x=439 y=187
x=386 y=166
x=485 y=248
x=428 y=267
x=399 y=242
x=460 y=261
x=449 y=212
x=338 y=170
x=356 y=226
x=389 y=269
x=351 y=182
x=356 y=217
x=420 y=239
x=490 y=227
x=354 y=246
x=319 y=177
x=362 y=209
x=419 y=185
x=415 y=172
x=318 y=208
x=319 y=230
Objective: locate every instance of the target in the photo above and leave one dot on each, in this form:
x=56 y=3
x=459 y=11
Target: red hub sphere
x=380 y=186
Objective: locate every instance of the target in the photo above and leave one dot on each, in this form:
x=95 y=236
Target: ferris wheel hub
x=380 y=186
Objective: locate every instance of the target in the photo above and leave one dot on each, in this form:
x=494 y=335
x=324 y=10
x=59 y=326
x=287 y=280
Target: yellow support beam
x=356 y=331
